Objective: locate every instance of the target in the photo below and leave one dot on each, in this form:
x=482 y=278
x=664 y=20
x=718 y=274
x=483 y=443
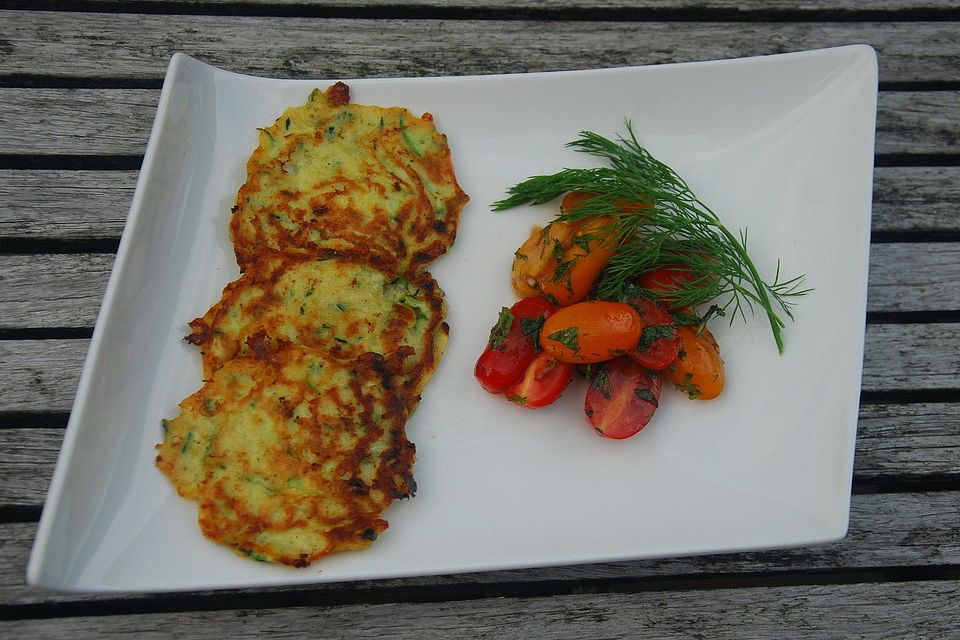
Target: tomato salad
x=625 y=347
x=613 y=285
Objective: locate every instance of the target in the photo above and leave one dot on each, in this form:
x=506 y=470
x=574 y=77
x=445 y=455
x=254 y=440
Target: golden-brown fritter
x=337 y=305
x=332 y=176
x=291 y=457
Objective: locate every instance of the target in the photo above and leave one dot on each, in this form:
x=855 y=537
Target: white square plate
x=782 y=145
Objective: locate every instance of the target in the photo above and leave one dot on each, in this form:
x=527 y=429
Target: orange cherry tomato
x=562 y=260
x=591 y=331
x=573 y=200
x=698 y=369
x=592 y=245
x=629 y=206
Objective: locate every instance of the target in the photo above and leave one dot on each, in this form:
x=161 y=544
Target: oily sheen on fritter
x=337 y=305
x=332 y=176
x=293 y=456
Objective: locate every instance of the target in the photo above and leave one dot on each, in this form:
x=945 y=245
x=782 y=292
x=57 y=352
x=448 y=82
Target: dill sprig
x=671 y=226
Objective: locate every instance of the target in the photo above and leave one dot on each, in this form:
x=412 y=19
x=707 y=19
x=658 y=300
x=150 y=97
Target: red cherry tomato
x=542 y=382
x=666 y=282
x=659 y=344
x=622 y=398
x=502 y=365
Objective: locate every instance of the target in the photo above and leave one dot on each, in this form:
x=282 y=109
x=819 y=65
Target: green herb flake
x=499 y=332
x=557 y=250
x=562 y=272
x=531 y=327
x=653 y=332
x=568 y=337
x=584 y=241
x=601 y=382
x=646 y=395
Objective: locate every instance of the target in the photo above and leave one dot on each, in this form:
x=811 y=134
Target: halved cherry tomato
x=622 y=398
x=659 y=345
x=562 y=260
x=542 y=382
x=591 y=331
x=536 y=259
x=507 y=354
x=698 y=369
x=592 y=245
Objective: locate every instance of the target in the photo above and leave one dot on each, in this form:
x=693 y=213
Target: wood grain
x=793 y=6
x=894 y=575
x=908 y=440
x=80 y=205
x=928 y=609
x=886 y=531
x=52 y=290
x=118 y=121
x=64 y=205
x=73 y=45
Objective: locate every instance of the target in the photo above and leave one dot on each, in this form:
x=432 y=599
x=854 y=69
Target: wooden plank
x=909 y=610
x=118 y=121
x=902 y=277
x=52 y=290
x=76 y=121
x=886 y=530
x=27 y=458
x=65 y=290
x=793 y=6
x=64 y=205
x=79 y=205
x=893 y=441
x=922 y=199
x=42 y=375
x=911 y=356
x=908 y=440
x=72 y=45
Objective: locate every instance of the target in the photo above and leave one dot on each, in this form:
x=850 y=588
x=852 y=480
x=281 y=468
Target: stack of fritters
x=316 y=356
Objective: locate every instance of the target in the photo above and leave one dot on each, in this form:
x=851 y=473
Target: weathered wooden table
x=79 y=83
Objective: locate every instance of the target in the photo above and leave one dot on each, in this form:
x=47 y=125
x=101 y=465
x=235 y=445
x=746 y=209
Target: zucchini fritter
x=292 y=457
x=337 y=305
x=331 y=176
